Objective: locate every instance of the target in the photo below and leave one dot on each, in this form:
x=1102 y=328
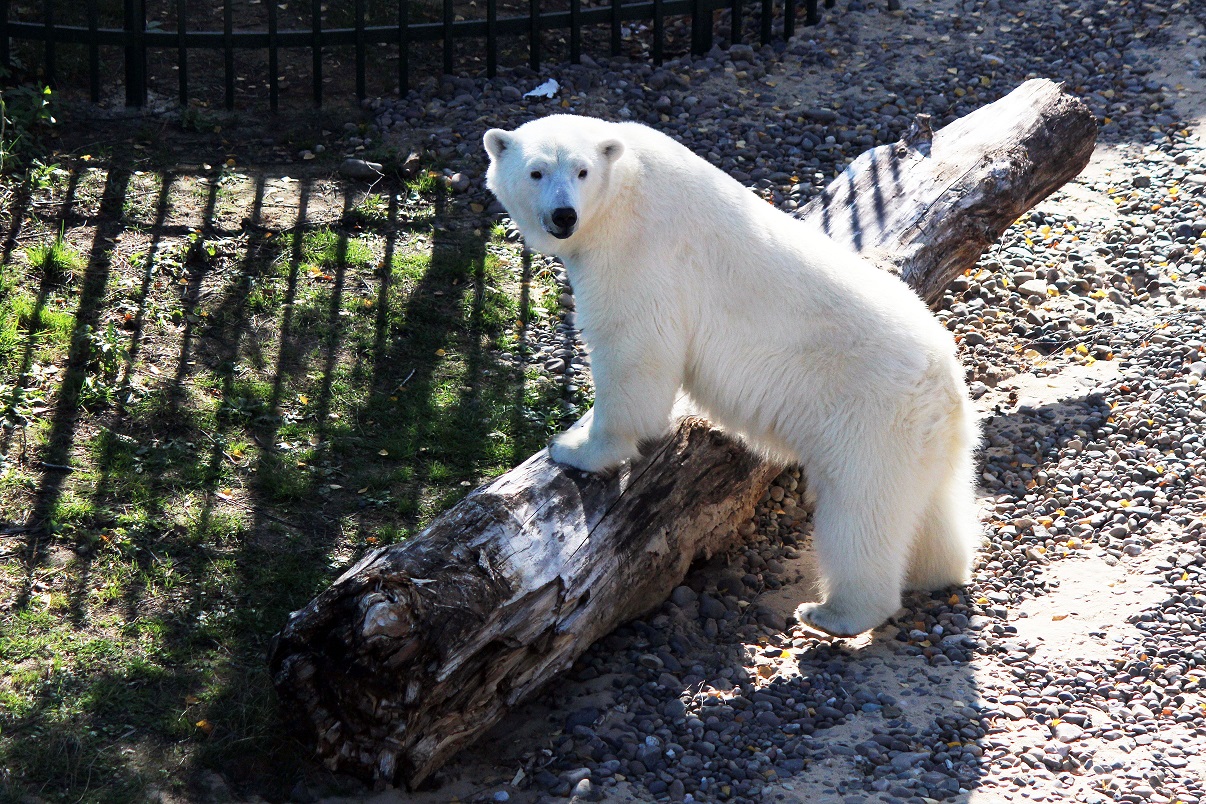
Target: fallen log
x=420 y=647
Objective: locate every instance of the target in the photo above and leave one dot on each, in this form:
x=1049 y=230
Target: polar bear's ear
x=497 y=142
x=611 y=149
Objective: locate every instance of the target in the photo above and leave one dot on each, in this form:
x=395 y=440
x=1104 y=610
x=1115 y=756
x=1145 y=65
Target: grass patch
x=244 y=415
x=55 y=260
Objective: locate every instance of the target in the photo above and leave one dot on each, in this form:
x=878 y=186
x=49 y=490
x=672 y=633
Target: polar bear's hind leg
x=863 y=537
x=949 y=532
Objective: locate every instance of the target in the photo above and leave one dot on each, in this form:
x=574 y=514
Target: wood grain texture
x=422 y=646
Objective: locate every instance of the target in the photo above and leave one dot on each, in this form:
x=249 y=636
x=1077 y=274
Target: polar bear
x=684 y=278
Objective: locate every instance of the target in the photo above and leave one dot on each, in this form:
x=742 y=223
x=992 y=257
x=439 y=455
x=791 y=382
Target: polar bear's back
x=723 y=248
x=761 y=304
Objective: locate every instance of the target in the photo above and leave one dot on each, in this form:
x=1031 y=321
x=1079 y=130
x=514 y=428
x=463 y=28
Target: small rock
x=907 y=760
x=584 y=791
x=1067 y=732
x=360 y=169
x=683 y=596
x=711 y=608
x=410 y=167
x=741 y=52
x=582 y=717
x=821 y=115
x=577 y=775
x=1035 y=287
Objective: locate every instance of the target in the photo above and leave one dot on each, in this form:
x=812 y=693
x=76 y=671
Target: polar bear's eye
x=536 y=174
x=582 y=174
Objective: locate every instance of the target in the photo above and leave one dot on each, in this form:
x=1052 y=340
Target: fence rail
x=135 y=39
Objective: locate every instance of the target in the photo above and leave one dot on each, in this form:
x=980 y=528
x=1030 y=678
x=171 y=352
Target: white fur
x=685 y=278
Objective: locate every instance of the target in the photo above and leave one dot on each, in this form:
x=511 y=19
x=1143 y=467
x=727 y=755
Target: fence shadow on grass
x=217 y=490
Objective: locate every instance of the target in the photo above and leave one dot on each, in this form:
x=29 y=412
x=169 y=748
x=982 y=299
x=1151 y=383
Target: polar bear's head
x=553 y=175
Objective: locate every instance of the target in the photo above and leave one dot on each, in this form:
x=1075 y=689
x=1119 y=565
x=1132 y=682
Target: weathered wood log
x=422 y=646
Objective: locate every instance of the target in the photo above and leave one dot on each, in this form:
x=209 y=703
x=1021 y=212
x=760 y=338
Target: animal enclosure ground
x=224 y=440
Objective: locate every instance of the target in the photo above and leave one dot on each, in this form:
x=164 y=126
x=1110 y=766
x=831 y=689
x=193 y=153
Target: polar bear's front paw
x=575 y=448
x=836 y=623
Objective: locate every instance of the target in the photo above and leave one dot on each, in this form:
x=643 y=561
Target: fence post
x=274 y=88
x=659 y=31
x=48 y=24
x=449 y=42
x=701 y=26
x=403 y=47
x=361 y=91
x=491 y=38
x=316 y=50
x=615 y=27
x=575 y=31
x=93 y=52
x=135 y=24
x=534 y=34
x=228 y=51
x=182 y=50
x=5 y=55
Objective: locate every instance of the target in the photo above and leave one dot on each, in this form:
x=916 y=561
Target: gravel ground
x=1074 y=666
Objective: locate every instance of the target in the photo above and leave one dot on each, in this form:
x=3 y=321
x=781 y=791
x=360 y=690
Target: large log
x=420 y=647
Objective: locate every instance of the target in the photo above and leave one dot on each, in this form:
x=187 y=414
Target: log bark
x=420 y=647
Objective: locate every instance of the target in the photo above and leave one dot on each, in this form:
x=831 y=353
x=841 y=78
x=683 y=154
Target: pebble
x=1067 y=732
x=360 y=169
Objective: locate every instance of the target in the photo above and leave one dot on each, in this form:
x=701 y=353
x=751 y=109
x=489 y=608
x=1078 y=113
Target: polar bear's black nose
x=564 y=219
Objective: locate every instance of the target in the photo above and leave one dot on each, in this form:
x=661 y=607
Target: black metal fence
x=122 y=27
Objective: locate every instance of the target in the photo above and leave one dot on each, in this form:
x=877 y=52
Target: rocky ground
x=1074 y=667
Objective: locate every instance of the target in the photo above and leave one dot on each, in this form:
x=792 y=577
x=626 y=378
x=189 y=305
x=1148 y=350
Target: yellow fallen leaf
x=1058 y=617
x=205 y=726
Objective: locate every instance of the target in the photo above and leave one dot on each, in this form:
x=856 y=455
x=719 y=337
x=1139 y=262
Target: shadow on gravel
x=714 y=695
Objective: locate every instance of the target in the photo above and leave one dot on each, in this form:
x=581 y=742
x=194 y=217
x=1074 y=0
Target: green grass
x=245 y=415
x=56 y=259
